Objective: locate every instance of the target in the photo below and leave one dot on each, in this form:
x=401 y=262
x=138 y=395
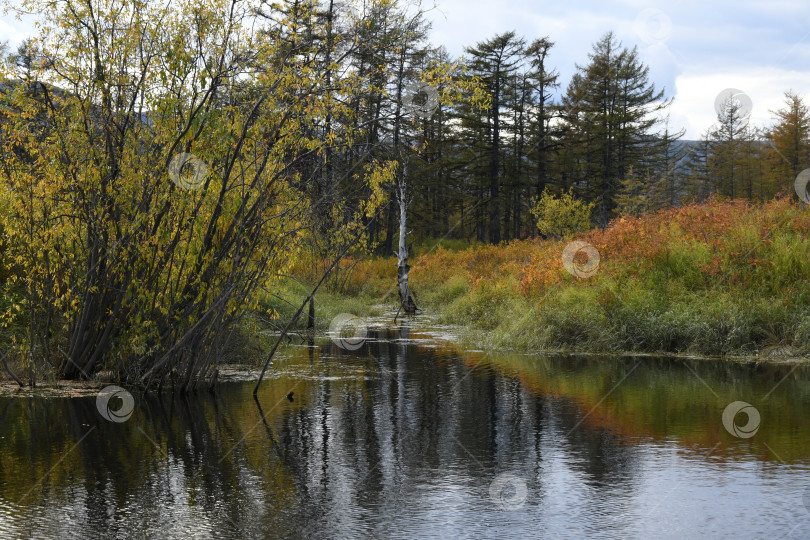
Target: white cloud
x=15 y=30
x=694 y=103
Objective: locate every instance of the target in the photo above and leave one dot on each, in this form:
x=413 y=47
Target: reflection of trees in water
x=373 y=439
x=386 y=444
x=668 y=400
x=170 y=468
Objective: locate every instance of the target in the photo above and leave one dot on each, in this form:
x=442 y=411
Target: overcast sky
x=694 y=49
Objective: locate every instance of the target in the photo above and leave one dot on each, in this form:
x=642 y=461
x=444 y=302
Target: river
x=410 y=437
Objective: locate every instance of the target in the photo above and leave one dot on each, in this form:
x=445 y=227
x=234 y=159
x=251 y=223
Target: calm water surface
x=409 y=437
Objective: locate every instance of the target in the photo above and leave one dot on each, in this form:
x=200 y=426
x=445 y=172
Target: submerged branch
x=13 y=375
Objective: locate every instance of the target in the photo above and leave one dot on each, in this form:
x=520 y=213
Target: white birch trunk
x=407 y=303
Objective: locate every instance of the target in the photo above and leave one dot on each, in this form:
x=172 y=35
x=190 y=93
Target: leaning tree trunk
x=406 y=302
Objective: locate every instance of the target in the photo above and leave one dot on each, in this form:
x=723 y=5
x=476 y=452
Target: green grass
x=641 y=316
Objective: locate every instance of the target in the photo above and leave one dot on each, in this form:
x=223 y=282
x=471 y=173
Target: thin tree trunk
x=297 y=314
x=494 y=165
x=407 y=303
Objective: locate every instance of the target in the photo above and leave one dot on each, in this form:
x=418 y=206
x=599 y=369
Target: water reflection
x=405 y=438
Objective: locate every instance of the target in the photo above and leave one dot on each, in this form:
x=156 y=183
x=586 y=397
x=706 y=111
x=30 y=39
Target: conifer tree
x=612 y=111
x=789 y=139
x=495 y=61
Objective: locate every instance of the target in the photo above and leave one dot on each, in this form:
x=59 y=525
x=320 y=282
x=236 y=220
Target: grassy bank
x=719 y=278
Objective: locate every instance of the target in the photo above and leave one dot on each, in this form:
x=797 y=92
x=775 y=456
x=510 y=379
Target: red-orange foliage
x=736 y=235
x=628 y=246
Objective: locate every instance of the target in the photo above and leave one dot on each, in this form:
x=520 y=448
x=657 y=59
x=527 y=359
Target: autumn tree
x=790 y=139
x=561 y=216
x=166 y=184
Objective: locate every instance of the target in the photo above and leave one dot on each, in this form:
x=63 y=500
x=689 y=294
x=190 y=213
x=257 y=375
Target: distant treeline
x=476 y=165
x=606 y=136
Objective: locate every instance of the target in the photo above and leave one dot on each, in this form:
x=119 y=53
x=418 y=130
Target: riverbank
x=723 y=278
